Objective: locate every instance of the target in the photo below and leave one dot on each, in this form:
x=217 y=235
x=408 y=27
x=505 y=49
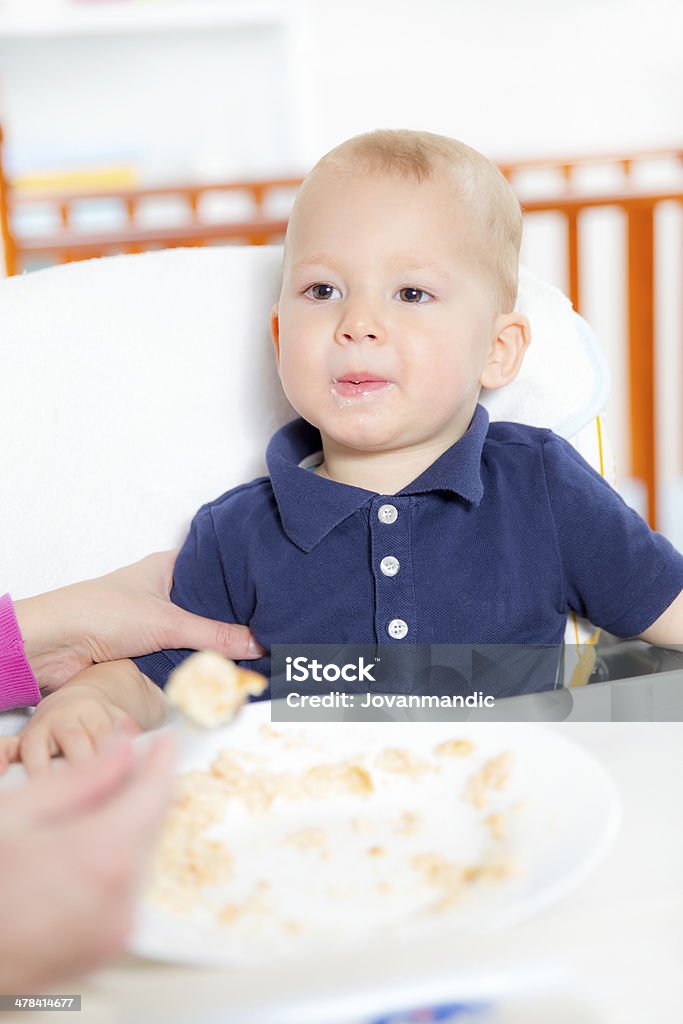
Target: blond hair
x=478 y=183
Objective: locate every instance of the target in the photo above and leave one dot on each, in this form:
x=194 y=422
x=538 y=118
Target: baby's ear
x=275 y=330
x=512 y=338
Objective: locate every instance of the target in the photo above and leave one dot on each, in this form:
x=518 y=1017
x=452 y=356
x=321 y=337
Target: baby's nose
x=355 y=328
x=358 y=335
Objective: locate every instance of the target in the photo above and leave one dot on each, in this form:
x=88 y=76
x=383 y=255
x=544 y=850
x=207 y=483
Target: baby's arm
x=667 y=630
x=73 y=720
x=615 y=571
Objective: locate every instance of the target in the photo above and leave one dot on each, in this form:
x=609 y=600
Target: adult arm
x=124 y=614
x=74 y=847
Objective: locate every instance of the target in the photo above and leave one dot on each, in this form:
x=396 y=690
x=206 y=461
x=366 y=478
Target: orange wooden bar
x=639 y=210
x=68 y=246
x=641 y=347
x=568 y=164
x=257 y=190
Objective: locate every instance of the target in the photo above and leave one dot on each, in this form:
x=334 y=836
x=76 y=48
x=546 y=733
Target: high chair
x=136 y=388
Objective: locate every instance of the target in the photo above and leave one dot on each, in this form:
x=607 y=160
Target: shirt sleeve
x=199 y=586
x=618 y=573
x=18 y=685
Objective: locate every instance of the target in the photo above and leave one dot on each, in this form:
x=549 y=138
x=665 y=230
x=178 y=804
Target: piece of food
x=209 y=689
x=494 y=775
x=402 y=762
x=328 y=779
x=454 y=748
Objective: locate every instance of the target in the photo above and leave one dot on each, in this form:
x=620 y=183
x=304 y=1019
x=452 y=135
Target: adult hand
x=121 y=615
x=74 y=846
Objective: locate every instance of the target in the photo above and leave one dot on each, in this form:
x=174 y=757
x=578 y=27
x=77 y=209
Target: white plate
x=339 y=896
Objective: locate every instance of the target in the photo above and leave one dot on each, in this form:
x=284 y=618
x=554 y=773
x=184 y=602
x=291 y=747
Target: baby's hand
x=9 y=748
x=73 y=721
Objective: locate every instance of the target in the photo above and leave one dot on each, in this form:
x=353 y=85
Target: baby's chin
x=366 y=434
x=359 y=422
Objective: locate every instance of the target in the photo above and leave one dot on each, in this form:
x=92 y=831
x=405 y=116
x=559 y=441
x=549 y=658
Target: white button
x=387 y=514
x=390 y=565
x=397 y=628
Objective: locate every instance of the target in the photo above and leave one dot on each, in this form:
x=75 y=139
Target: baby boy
x=394 y=512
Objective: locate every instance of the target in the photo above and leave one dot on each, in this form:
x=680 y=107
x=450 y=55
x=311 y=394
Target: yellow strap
x=588 y=654
x=586 y=662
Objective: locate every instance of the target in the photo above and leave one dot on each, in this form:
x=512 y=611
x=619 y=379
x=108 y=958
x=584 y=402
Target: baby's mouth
x=358 y=385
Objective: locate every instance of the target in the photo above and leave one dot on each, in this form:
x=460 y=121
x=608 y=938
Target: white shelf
x=106 y=19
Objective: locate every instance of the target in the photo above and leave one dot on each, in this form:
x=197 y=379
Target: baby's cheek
x=292 y=365
x=286 y=368
x=298 y=398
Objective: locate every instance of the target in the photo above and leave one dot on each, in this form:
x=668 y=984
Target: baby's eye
x=414 y=295
x=322 y=292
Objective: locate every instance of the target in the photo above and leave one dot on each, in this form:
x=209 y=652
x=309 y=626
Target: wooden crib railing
x=638 y=206
x=639 y=211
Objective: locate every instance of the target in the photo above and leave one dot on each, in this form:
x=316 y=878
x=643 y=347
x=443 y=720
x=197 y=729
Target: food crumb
x=454 y=748
x=408 y=824
x=441 y=874
x=327 y=779
x=494 y=775
x=269 y=733
x=256 y=903
x=293 y=927
x=496 y=824
x=402 y=762
x=492 y=870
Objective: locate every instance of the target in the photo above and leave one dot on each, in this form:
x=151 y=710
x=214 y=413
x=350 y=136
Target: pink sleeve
x=18 y=685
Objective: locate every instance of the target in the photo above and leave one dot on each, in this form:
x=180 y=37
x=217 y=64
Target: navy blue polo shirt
x=492 y=544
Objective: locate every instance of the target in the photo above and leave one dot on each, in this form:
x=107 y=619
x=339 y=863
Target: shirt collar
x=311 y=506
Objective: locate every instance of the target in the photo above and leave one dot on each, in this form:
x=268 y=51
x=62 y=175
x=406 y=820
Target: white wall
x=524 y=77
x=511 y=78
x=199 y=103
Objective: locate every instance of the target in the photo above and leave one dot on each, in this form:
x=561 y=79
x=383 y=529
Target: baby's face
x=384 y=323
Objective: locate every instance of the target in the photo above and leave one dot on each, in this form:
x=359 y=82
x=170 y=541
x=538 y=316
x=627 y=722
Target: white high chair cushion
x=564 y=380
x=136 y=388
